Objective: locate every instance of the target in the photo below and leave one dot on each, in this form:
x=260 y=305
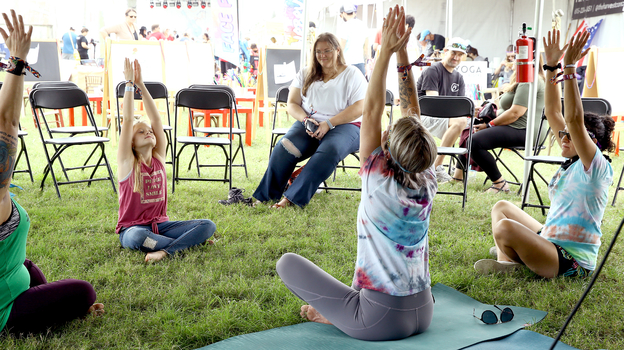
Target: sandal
x=498 y=189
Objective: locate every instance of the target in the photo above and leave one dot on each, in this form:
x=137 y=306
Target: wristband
x=134 y=86
x=331 y=126
x=571 y=65
x=17 y=65
x=561 y=77
x=491 y=125
x=552 y=68
x=129 y=88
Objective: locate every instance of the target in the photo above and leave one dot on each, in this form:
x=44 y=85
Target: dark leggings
x=499 y=136
x=45 y=304
x=362 y=314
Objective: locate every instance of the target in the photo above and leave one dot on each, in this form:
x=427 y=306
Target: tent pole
x=304 y=48
x=449 y=19
x=528 y=145
x=511 y=23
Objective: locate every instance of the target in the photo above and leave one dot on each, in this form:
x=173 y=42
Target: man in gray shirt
x=441 y=79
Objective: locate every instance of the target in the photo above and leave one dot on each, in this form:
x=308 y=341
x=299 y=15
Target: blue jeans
x=172 y=236
x=296 y=146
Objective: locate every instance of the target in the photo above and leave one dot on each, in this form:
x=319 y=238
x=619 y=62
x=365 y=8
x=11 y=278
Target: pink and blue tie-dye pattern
x=578 y=201
x=393 y=223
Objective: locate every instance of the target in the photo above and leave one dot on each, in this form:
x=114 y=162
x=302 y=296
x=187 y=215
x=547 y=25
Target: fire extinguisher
x=525 y=57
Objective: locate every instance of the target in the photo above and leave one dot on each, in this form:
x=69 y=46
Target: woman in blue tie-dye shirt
x=567 y=244
x=390 y=297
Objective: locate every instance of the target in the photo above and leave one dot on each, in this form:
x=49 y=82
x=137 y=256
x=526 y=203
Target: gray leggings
x=364 y=314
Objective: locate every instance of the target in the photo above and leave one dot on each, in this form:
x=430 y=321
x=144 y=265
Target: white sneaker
x=490 y=266
x=442 y=175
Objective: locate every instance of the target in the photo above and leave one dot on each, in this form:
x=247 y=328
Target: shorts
x=436 y=126
x=568 y=267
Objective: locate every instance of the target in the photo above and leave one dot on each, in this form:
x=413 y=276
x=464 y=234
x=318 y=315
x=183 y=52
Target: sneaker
x=234 y=196
x=494 y=252
x=442 y=175
x=490 y=266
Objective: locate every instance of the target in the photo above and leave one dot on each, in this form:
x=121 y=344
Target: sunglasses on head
x=458 y=46
x=563 y=133
x=489 y=317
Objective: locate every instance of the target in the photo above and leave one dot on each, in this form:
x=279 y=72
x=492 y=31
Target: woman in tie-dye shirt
x=567 y=244
x=390 y=297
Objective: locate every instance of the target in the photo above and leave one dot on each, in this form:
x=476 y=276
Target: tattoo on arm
x=8 y=151
x=406 y=90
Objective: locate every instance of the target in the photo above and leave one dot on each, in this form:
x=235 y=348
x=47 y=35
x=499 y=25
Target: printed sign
x=592 y=8
x=225 y=17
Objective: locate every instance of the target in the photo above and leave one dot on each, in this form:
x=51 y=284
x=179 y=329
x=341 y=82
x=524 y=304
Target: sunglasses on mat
x=489 y=317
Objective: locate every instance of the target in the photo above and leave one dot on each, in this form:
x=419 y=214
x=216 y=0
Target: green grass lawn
x=211 y=293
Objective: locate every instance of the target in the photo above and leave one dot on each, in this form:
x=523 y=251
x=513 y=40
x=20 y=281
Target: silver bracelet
x=331 y=126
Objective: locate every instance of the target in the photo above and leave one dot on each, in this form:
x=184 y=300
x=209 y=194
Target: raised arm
x=394 y=37
x=125 y=157
x=407 y=88
x=152 y=113
x=573 y=112
x=552 y=92
x=18 y=42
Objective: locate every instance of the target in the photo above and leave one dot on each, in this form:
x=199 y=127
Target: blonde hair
x=414 y=149
x=315 y=71
x=138 y=159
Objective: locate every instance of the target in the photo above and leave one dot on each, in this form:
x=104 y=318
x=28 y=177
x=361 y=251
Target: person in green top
x=508 y=129
x=28 y=303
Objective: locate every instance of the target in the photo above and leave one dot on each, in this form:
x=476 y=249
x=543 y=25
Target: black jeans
x=491 y=138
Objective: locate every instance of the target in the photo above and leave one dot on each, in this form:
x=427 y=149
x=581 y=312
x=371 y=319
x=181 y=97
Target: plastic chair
x=599 y=106
x=202 y=99
x=62 y=98
x=158 y=91
x=452 y=107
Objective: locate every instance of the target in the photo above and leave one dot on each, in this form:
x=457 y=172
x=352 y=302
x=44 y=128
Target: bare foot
x=155 y=256
x=311 y=314
x=282 y=204
x=96 y=309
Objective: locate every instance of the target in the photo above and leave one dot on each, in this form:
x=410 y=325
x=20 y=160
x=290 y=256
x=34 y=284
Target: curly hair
x=602 y=127
x=414 y=149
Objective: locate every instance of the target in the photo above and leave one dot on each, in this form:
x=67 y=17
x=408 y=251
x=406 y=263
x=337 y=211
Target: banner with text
x=592 y=8
x=225 y=35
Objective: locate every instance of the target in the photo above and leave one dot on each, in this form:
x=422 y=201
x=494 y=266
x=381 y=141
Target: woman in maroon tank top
x=143 y=222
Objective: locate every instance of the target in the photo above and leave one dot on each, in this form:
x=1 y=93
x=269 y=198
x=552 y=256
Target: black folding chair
x=281 y=96
x=202 y=99
x=599 y=106
x=21 y=134
x=63 y=98
x=158 y=91
x=452 y=107
x=227 y=130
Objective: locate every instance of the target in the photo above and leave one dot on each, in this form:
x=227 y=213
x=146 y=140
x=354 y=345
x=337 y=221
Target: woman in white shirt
x=326 y=99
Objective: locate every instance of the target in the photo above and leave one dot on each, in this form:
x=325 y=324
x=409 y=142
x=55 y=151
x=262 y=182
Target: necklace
x=331 y=77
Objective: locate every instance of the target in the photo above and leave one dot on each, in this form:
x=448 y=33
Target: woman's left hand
x=479 y=127
x=322 y=130
x=575 y=49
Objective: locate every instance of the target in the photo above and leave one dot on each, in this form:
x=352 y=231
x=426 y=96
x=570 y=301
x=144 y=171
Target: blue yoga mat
x=453 y=327
x=521 y=340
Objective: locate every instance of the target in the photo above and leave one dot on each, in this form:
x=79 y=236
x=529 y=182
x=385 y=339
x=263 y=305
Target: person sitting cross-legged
x=28 y=302
x=143 y=222
x=567 y=243
x=390 y=297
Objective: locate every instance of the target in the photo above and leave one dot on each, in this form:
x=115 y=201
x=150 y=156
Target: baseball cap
x=348 y=8
x=456 y=44
x=424 y=33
